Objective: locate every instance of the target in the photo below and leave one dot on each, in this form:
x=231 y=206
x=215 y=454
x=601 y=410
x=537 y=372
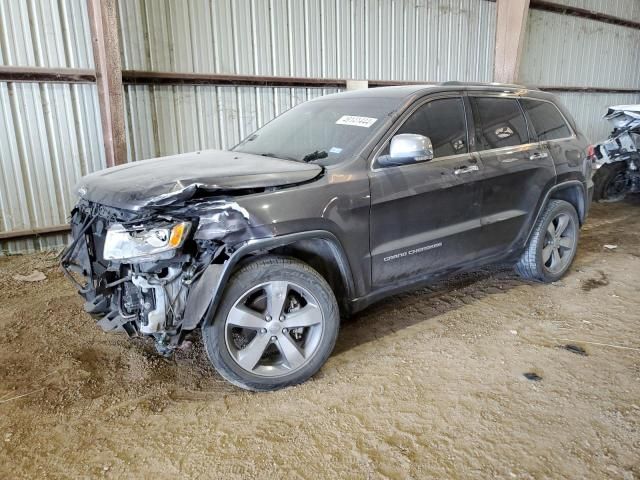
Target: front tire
x=276 y=325
x=552 y=245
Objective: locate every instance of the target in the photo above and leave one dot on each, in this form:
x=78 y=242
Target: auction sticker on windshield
x=355 y=121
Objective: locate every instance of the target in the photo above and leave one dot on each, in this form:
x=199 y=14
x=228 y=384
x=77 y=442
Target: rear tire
x=552 y=245
x=276 y=325
x=610 y=182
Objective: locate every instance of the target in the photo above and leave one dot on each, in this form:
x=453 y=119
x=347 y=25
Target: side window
x=443 y=121
x=499 y=122
x=547 y=121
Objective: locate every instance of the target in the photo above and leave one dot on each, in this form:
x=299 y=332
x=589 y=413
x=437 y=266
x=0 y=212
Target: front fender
x=206 y=292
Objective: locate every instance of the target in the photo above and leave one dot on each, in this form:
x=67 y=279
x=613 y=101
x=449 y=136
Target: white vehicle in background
x=616 y=161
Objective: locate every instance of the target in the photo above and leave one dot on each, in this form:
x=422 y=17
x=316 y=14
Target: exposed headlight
x=139 y=244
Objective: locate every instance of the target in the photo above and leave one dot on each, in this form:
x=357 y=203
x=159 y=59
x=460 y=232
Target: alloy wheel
x=559 y=243
x=274 y=328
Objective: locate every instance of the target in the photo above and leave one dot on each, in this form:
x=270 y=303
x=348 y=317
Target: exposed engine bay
x=136 y=276
x=616 y=161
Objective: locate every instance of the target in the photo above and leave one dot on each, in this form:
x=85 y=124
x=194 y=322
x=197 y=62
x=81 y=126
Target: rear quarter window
x=547 y=121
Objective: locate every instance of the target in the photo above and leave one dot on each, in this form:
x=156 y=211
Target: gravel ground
x=423 y=385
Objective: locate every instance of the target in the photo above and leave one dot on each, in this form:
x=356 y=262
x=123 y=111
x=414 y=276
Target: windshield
x=325 y=131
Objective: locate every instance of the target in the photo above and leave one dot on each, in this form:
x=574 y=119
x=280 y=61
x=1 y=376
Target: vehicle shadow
x=423 y=304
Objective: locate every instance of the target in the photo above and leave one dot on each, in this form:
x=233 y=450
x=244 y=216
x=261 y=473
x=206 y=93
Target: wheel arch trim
x=582 y=209
x=216 y=282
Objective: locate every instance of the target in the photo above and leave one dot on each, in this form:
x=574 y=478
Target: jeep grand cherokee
x=334 y=204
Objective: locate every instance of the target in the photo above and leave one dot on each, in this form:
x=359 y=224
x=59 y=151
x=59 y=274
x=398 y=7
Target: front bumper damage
x=164 y=297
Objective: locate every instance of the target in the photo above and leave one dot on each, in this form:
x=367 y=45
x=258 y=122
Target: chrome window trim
x=521 y=146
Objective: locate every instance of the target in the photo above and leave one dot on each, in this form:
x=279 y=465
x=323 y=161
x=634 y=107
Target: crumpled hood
x=166 y=180
x=632 y=110
x=624 y=116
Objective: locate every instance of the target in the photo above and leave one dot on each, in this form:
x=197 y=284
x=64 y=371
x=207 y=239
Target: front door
x=425 y=216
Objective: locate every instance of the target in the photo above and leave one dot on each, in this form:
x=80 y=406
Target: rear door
x=425 y=216
x=517 y=171
x=552 y=130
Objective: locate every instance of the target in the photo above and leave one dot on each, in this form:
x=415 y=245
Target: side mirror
x=407 y=148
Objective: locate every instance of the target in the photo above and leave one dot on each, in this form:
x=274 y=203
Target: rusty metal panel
x=588 y=108
x=573 y=51
x=409 y=40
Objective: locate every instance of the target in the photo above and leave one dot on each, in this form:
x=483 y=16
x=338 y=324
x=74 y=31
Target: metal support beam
x=178 y=78
x=137 y=77
x=74 y=75
x=510 y=31
x=54 y=75
x=103 y=19
x=34 y=232
x=583 y=13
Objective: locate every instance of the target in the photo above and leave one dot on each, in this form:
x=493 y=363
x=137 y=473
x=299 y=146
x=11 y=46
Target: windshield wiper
x=317 y=155
x=273 y=155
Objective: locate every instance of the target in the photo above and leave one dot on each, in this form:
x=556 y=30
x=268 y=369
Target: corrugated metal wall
x=574 y=51
x=588 y=109
x=47 y=33
x=49 y=133
x=361 y=39
x=626 y=9
x=563 y=50
x=376 y=39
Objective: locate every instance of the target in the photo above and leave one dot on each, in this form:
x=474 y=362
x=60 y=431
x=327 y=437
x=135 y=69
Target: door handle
x=538 y=155
x=467 y=169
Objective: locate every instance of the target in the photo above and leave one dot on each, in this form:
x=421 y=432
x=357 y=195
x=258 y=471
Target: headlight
x=139 y=244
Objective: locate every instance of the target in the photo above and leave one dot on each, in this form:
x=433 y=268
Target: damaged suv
x=336 y=203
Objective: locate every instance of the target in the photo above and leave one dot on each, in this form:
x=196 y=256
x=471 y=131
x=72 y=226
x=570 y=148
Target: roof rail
x=486 y=84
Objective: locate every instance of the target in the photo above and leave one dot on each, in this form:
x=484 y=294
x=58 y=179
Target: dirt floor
x=424 y=385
